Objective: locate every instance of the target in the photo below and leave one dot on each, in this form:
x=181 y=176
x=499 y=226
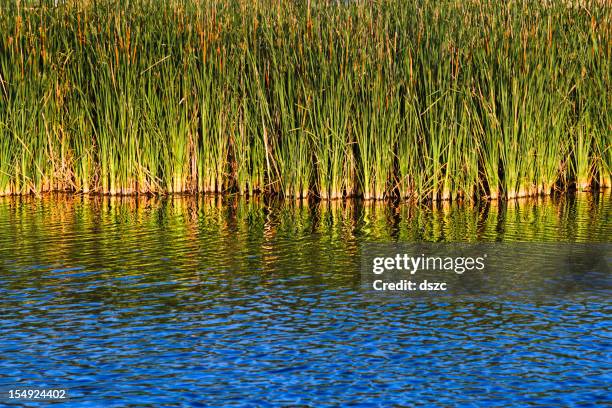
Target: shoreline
x=259 y=197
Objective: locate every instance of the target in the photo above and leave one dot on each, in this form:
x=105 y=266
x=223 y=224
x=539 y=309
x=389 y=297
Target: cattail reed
x=412 y=100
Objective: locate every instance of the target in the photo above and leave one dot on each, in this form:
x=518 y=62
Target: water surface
x=207 y=302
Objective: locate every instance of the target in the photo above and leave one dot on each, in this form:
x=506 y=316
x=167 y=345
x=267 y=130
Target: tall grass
x=430 y=100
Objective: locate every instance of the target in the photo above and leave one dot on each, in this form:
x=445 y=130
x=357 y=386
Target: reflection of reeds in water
x=420 y=100
x=202 y=222
x=193 y=242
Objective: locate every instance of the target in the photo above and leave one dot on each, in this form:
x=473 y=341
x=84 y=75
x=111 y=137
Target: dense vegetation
x=427 y=99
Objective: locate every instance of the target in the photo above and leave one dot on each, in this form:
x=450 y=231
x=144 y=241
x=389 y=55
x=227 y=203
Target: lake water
x=207 y=302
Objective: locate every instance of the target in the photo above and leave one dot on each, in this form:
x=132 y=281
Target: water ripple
x=193 y=302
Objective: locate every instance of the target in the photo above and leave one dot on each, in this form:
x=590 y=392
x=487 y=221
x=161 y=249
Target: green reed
x=425 y=100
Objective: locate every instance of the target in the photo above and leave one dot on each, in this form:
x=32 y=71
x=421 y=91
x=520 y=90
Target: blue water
x=198 y=302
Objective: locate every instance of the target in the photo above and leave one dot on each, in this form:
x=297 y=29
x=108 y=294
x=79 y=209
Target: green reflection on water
x=139 y=252
x=100 y=224
x=194 y=232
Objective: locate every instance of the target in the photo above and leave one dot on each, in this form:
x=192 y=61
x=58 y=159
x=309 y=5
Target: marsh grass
x=426 y=100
